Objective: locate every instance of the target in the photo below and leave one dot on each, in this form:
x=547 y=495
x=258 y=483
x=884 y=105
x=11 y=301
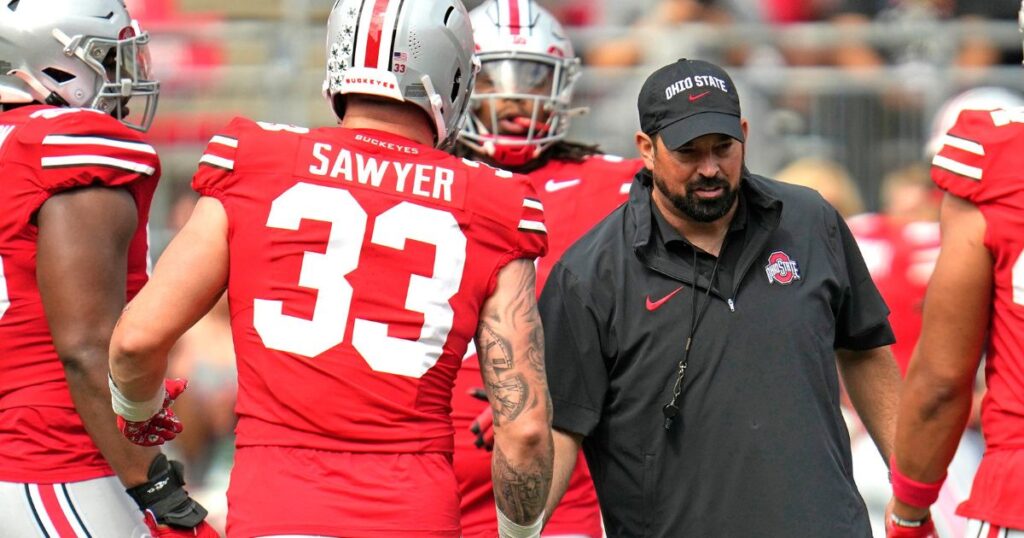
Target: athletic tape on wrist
x=510 y=529
x=135 y=411
x=911 y=491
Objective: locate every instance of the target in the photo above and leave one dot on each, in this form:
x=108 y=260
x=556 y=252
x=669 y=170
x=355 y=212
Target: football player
x=359 y=262
x=76 y=181
x=974 y=305
x=519 y=119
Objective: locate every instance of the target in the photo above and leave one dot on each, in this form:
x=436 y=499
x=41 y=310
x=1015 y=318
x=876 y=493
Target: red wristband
x=911 y=491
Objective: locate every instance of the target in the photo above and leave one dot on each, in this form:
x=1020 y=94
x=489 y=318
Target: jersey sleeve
x=573 y=332
x=979 y=153
x=509 y=216
x=532 y=233
x=70 y=148
x=217 y=164
x=615 y=174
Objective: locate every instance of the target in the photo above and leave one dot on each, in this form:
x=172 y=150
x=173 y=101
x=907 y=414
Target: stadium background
x=854 y=82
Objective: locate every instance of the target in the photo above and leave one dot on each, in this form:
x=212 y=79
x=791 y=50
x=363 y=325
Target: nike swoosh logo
x=699 y=96
x=552 y=185
x=654 y=305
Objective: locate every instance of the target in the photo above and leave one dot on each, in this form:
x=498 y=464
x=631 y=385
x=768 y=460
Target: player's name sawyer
x=413 y=178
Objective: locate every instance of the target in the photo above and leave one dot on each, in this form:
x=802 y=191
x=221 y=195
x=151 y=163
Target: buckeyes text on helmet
x=413 y=51
x=78 y=53
x=523 y=95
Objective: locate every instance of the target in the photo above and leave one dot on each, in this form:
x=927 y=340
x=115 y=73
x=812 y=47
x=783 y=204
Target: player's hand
x=203 y=530
x=166 y=506
x=893 y=530
x=162 y=426
x=483 y=425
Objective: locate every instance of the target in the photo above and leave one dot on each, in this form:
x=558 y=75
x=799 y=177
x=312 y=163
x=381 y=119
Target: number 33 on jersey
x=359 y=263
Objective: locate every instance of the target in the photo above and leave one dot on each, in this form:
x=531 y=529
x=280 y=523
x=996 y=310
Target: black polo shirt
x=760 y=448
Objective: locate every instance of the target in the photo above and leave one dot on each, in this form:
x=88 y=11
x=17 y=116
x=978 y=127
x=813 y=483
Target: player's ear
x=645 y=146
x=745 y=127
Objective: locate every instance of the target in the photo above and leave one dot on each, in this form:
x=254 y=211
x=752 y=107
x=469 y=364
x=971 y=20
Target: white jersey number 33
x=326 y=273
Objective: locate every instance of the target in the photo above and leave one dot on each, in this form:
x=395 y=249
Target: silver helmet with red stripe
x=521 y=104
x=414 y=51
x=78 y=53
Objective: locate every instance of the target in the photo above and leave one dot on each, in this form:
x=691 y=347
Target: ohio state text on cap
x=688 y=99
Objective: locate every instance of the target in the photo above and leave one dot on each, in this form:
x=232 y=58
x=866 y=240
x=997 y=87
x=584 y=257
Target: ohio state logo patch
x=781 y=269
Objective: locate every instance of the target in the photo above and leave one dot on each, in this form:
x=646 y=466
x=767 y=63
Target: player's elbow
x=131 y=343
x=525 y=437
x=82 y=356
x=938 y=393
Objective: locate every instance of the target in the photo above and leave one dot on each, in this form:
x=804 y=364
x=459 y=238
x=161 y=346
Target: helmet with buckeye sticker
x=413 y=51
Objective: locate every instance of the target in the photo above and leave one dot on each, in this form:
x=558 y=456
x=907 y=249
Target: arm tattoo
x=521 y=491
x=510 y=397
x=509 y=391
x=523 y=313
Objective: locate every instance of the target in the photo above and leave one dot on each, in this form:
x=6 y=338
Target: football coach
x=696 y=336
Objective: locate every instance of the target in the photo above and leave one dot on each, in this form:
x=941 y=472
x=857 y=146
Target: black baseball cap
x=687 y=99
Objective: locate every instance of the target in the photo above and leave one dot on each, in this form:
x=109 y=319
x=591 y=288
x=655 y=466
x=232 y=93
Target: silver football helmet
x=525 y=58
x=418 y=52
x=77 y=53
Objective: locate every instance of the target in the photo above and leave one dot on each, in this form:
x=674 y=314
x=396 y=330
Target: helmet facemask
x=520 y=106
x=122 y=68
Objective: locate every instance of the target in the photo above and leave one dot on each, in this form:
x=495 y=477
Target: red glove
x=203 y=530
x=926 y=530
x=162 y=426
x=483 y=424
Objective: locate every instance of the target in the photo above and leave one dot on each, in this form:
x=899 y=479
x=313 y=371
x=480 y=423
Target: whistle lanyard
x=671 y=409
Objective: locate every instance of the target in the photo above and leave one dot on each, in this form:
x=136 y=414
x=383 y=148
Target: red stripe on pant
x=54 y=512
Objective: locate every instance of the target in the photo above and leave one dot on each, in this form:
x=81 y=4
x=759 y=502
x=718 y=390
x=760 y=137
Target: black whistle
x=670 y=411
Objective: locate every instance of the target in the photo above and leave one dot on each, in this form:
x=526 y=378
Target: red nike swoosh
x=654 y=305
x=698 y=96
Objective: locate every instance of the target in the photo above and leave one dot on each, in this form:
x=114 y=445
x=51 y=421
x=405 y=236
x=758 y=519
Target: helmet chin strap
x=436 y=104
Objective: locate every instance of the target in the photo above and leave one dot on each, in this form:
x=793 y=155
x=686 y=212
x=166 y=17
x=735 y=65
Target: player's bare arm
x=187 y=281
x=83 y=242
x=510 y=341
x=936 y=399
x=567 y=449
x=872 y=379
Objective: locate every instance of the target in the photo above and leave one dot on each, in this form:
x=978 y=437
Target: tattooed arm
x=510 y=343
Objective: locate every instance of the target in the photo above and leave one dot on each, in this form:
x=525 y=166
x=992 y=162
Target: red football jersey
x=901 y=257
x=43 y=151
x=982 y=161
x=359 y=264
x=575 y=196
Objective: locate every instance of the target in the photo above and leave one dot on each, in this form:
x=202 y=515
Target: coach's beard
x=698 y=208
